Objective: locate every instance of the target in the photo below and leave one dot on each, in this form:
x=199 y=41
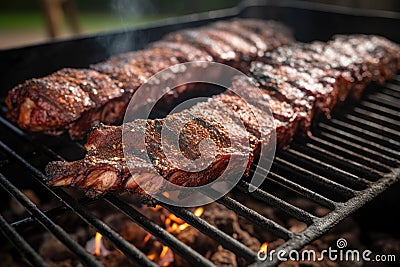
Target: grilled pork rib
x=105 y=168
x=295 y=88
x=68 y=95
x=221 y=118
x=324 y=94
x=59 y=103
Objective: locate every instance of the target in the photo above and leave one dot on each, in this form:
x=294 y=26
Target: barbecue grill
x=348 y=161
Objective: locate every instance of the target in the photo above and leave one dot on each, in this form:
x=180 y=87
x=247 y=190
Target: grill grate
x=348 y=161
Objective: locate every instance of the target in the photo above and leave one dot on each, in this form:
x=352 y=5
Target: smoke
x=132 y=8
x=127 y=11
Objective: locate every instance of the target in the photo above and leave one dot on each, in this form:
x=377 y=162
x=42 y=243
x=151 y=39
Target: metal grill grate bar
x=392 y=88
x=52 y=213
x=338 y=161
x=56 y=230
x=389 y=92
x=43 y=148
x=323 y=224
x=225 y=240
x=374 y=137
x=380 y=119
x=384 y=100
x=186 y=252
x=313 y=177
x=278 y=203
x=360 y=140
x=330 y=171
x=380 y=110
x=130 y=251
x=381 y=129
x=115 y=238
x=383 y=96
x=249 y=214
x=361 y=149
x=25 y=249
x=309 y=194
x=352 y=156
x=255 y=217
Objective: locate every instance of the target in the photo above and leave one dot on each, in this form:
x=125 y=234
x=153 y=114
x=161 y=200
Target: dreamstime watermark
x=169 y=159
x=340 y=253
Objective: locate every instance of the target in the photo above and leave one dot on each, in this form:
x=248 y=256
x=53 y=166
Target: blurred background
x=24 y=22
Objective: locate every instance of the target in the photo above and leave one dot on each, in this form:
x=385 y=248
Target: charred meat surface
x=325 y=94
x=246 y=49
x=105 y=167
x=50 y=103
x=264 y=104
x=58 y=103
x=134 y=68
x=381 y=56
x=219 y=50
x=315 y=77
x=284 y=91
x=274 y=31
x=347 y=62
x=243 y=32
x=226 y=119
x=191 y=52
x=287 y=89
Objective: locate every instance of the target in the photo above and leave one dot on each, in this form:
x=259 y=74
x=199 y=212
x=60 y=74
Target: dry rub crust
x=301 y=101
x=220 y=119
x=105 y=167
x=381 y=56
x=73 y=100
x=259 y=102
x=238 y=129
x=51 y=102
x=324 y=93
x=296 y=83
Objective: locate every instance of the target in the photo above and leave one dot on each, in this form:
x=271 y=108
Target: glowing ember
x=151 y=256
x=164 y=251
x=174 y=227
x=183 y=226
x=156 y=208
x=199 y=211
x=147 y=238
x=156 y=251
x=96 y=246
x=174 y=224
x=166 y=257
x=176 y=219
x=263 y=248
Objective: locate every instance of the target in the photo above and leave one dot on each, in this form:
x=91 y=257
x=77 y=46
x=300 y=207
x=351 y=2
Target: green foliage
x=158 y=6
